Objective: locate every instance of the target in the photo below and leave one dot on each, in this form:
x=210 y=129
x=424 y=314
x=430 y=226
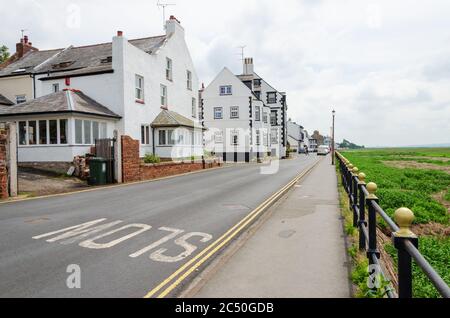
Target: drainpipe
x=153 y=141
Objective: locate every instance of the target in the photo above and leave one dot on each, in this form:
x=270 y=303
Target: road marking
x=90 y=243
x=220 y=242
x=175 y=233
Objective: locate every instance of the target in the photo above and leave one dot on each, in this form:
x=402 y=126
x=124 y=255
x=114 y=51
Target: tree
x=4 y=54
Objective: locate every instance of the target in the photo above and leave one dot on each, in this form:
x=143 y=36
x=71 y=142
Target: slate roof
x=89 y=58
x=5 y=101
x=28 y=62
x=66 y=101
x=167 y=118
x=93 y=56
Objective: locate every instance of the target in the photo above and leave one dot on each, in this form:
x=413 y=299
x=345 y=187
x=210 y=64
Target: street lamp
x=332 y=140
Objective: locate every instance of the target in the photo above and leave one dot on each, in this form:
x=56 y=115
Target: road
x=151 y=230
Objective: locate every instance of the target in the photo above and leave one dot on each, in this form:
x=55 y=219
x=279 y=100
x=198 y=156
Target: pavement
x=298 y=252
x=125 y=241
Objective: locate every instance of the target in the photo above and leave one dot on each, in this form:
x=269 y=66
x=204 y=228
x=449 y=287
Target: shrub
x=151 y=158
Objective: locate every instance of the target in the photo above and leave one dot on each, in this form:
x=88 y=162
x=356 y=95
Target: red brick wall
x=3 y=172
x=130 y=159
x=134 y=170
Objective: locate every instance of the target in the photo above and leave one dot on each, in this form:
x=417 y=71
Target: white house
x=149 y=85
x=294 y=136
x=238 y=122
x=245 y=116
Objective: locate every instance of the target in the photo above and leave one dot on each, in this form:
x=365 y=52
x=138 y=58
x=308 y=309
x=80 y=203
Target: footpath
x=298 y=252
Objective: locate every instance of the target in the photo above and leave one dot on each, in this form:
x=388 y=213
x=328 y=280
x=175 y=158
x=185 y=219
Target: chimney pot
x=119 y=33
x=25 y=38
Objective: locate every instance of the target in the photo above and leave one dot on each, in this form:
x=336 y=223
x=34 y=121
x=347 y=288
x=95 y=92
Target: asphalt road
x=185 y=215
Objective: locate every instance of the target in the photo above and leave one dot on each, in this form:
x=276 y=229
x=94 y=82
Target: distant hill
x=349 y=145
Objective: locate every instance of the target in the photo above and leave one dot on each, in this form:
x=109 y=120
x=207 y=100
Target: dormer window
x=62 y=65
x=106 y=60
x=189 y=80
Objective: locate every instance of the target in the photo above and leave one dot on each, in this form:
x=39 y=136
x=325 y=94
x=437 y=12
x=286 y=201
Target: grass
x=413 y=188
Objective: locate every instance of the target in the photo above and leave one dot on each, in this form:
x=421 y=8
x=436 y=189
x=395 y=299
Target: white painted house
x=245 y=116
x=149 y=87
x=238 y=122
x=294 y=136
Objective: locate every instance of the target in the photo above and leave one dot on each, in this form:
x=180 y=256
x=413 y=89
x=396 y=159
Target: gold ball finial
x=355 y=170
x=404 y=217
x=350 y=166
x=372 y=188
x=362 y=177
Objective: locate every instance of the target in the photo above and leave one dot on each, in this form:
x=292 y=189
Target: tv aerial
x=163 y=5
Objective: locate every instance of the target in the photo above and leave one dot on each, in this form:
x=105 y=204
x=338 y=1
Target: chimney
x=248 y=66
x=173 y=26
x=23 y=47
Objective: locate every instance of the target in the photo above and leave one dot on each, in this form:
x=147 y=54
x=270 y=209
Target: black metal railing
x=362 y=198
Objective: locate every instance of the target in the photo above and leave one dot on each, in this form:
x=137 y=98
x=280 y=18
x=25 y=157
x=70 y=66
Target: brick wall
x=3 y=172
x=134 y=170
x=130 y=160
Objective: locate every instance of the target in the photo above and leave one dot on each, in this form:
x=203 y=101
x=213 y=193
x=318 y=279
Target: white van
x=323 y=150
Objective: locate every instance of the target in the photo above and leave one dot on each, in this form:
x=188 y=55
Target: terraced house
x=246 y=116
x=145 y=88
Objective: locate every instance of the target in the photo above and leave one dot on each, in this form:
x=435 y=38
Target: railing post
x=372 y=188
x=350 y=184
x=354 y=174
x=362 y=211
x=404 y=218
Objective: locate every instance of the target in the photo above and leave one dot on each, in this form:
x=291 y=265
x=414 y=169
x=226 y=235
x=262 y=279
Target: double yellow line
x=171 y=282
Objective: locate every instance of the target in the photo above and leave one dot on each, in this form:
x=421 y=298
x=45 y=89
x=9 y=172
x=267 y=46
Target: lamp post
x=332 y=141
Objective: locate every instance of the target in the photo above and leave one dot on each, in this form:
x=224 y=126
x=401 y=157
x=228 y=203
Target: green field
x=420 y=180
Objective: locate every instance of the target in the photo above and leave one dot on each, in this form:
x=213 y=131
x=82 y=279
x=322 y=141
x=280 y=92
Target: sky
x=384 y=66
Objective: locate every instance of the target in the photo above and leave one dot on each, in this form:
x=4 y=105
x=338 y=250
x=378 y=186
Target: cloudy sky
x=383 y=65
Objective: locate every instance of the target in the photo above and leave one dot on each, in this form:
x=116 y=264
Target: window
x=234 y=138
x=87 y=132
x=258 y=137
x=163 y=96
x=273 y=118
x=265 y=117
x=78 y=131
x=257 y=83
x=226 y=90
x=103 y=130
x=22 y=132
x=274 y=136
x=258 y=95
x=168 y=69
x=272 y=98
x=194 y=107
x=139 y=94
x=170 y=137
x=218 y=137
x=162 y=137
x=145 y=135
x=42 y=132
x=63 y=131
x=95 y=131
x=234 y=112
x=258 y=113
x=189 y=80
x=20 y=99
x=55 y=87
x=218 y=113
x=53 y=130
x=31 y=132
x=265 y=139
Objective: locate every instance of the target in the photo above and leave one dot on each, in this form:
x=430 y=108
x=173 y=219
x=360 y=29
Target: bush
x=151 y=158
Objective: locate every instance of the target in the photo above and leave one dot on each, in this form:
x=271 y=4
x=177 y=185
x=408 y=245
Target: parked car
x=323 y=150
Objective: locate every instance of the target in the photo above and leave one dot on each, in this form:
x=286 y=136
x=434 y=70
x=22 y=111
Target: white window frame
x=102 y=131
x=234 y=134
x=162 y=132
x=47 y=131
x=257 y=113
x=22 y=98
x=163 y=94
x=218 y=137
x=225 y=90
x=139 y=88
x=145 y=139
x=258 y=137
x=189 y=80
x=55 y=87
x=194 y=107
x=234 y=112
x=218 y=110
x=169 y=68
